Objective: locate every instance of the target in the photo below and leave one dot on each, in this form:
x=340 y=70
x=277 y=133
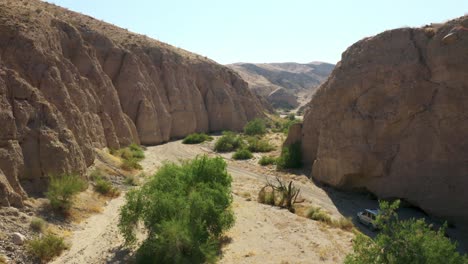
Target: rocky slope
x=393 y=119
x=284 y=84
x=70 y=83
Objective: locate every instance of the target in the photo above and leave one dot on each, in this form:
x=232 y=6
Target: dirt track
x=261 y=234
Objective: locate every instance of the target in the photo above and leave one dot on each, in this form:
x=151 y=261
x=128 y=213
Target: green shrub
x=291 y=157
x=104 y=187
x=47 y=247
x=184 y=208
x=242 y=154
x=259 y=145
x=62 y=190
x=196 y=138
x=96 y=174
x=316 y=213
x=131 y=156
x=255 y=127
x=267 y=160
x=291 y=117
x=38 y=225
x=404 y=241
x=228 y=142
x=131 y=164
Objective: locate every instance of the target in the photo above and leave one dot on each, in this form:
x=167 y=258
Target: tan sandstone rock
x=70 y=84
x=393 y=119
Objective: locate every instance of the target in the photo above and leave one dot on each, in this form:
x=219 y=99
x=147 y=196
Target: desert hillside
x=285 y=85
x=70 y=83
x=393 y=119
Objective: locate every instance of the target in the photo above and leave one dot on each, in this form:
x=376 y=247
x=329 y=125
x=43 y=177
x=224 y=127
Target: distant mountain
x=284 y=85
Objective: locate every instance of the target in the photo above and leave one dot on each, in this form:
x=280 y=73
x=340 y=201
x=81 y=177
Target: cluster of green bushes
x=228 y=142
x=404 y=241
x=196 y=138
x=291 y=157
x=102 y=185
x=283 y=124
x=131 y=156
x=62 y=189
x=184 y=208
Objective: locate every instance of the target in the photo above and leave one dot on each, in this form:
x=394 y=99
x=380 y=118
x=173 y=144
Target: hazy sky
x=266 y=30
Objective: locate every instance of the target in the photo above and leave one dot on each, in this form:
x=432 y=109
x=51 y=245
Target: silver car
x=367 y=217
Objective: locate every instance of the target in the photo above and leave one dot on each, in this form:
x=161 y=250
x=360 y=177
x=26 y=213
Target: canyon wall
x=70 y=84
x=393 y=119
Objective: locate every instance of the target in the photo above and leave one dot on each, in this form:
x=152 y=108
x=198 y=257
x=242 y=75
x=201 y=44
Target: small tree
x=406 y=241
x=185 y=209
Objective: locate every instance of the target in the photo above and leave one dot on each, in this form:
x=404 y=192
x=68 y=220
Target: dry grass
x=87 y=204
x=3 y=259
x=316 y=213
x=46 y=247
x=344 y=223
x=38 y=225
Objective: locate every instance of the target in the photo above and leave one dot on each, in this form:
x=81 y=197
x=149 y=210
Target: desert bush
x=266 y=196
x=196 y=138
x=38 y=225
x=283 y=195
x=228 y=142
x=96 y=174
x=291 y=157
x=316 y=213
x=404 y=241
x=3 y=259
x=291 y=117
x=104 y=187
x=184 y=208
x=131 y=156
x=344 y=223
x=242 y=154
x=259 y=145
x=46 y=247
x=131 y=164
x=255 y=127
x=62 y=189
x=267 y=160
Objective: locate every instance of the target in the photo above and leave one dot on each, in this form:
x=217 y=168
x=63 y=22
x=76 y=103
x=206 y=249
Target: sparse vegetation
x=267 y=160
x=280 y=194
x=131 y=156
x=344 y=223
x=317 y=214
x=283 y=124
x=185 y=209
x=38 y=225
x=104 y=187
x=228 y=142
x=242 y=154
x=259 y=145
x=196 y=138
x=132 y=180
x=404 y=241
x=255 y=127
x=46 y=247
x=62 y=189
x=291 y=157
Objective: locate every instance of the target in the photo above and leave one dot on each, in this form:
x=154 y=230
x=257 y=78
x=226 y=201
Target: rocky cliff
x=393 y=119
x=284 y=85
x=70 y=83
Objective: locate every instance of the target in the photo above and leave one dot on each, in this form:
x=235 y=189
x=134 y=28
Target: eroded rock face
x=69 y=84
x=393 y=119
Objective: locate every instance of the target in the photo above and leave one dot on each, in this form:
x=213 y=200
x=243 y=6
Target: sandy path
x=261 y=233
